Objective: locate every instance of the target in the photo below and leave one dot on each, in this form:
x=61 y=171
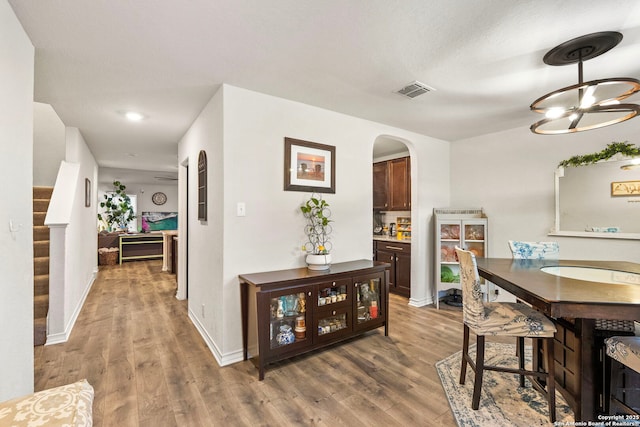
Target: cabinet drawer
x=394 y=247
x=336 y=293
x=331 y=324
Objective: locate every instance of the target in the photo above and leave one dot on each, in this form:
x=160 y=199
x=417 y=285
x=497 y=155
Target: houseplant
x=118 y=211
x=318 y=247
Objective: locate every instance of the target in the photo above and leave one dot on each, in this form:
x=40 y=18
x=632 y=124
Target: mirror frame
x=557 y=230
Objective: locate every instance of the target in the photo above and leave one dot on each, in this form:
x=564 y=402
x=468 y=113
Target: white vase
x=318 y=262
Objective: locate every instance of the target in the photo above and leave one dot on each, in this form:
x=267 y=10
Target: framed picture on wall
x=625 y=188
x=309 y=166
x=87 y=192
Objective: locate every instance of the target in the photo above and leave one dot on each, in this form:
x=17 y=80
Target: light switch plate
x=241 y=209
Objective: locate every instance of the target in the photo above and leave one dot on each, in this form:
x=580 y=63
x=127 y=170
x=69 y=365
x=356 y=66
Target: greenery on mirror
x=118 y=211
x=625 y=148
x=317 y=213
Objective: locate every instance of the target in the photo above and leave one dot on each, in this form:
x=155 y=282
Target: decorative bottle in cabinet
x=465 y=228
x=288 y=319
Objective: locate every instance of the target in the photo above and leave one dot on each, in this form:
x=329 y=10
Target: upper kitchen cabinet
x=380 y=186
x=392 y=185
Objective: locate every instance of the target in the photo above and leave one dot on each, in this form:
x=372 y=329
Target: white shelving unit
x=466 y=228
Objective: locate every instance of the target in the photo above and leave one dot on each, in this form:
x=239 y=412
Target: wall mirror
x=598 y=200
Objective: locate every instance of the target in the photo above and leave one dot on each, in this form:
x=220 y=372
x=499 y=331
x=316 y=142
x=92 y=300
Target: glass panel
x=332 y=294
x=368 y=300
x=449 y=232
x=288 y=319
x=448 y=251
x=450 y=273
x=476 y=247
x=474 y=232
x=331 y=324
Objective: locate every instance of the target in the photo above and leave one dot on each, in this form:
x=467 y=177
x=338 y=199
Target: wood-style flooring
x=149 y=366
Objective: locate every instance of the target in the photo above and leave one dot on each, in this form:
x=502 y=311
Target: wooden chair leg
x=551 y=379
x=520 y=353
x=477 y=384
x=465 y=354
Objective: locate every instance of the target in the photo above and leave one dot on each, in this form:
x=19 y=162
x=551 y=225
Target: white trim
x=223 y=360
x=64 y=336
x=413 y=302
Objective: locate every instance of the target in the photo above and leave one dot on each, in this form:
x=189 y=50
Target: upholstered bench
x=67 y=405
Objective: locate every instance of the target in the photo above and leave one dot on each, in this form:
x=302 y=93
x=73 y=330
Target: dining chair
x=501 y=319
x=626 y=351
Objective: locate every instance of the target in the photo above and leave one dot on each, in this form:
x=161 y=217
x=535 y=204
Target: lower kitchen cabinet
x=398 y=255
x=290 y=312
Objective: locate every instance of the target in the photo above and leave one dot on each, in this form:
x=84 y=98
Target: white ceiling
x=166 y=58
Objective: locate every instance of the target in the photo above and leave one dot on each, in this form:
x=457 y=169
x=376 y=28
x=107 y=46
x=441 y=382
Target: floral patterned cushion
x=498 y=318
x=534 y=250
x=625 y=350
x=69 y=405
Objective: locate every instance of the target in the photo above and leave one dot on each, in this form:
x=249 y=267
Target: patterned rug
x=502 y=401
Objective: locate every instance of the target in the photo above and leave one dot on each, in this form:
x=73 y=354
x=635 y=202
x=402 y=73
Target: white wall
x=243 y=133
x=511 y=175
x=48 y=144
x=16 y=248
x=80 y=245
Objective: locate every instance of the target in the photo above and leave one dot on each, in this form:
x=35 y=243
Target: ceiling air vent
x=414 y=89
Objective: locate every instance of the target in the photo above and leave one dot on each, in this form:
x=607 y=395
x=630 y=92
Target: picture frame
x=87 y=192
x=309 y=166
x=625 y=188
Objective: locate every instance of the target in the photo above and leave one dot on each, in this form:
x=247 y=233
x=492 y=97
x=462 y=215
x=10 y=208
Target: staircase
x=41 y=198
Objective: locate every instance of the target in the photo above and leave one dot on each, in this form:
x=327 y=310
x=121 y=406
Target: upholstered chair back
x=534 y=250
x=472 y=304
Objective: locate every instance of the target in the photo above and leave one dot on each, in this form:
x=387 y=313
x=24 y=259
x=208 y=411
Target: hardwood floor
x=149 y=366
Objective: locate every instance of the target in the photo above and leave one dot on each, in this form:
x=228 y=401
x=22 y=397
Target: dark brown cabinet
x=380 y=186
x=398 y=256
x=392 y=185
x=290 y=312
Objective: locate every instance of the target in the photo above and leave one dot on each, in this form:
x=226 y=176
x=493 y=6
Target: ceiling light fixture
x=586 y=105
x=134 y=116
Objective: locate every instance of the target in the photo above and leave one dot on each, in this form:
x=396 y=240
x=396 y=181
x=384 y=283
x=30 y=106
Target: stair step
x=40 y=232
x=40 y=285
x=41 y=248
x=41 y=265
x=40 y=205
x=42 y=192
x=39 y=217
x=40 y=306
x=40 y=331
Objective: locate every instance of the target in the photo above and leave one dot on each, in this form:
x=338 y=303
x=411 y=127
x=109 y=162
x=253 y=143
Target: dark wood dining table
x=574 y=304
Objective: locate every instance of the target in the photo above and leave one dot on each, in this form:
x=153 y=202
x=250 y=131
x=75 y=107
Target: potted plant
x=318 y=247
x=118 y=210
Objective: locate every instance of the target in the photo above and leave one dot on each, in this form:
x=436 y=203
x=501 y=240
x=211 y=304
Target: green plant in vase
x=118 y=211
x=318 y=246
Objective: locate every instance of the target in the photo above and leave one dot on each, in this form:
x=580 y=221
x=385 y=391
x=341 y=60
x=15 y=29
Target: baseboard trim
x=414 y=302
x=222 y=359
x=62 y=337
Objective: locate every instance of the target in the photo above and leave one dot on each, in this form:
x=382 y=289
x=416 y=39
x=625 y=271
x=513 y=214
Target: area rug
x=502 y=401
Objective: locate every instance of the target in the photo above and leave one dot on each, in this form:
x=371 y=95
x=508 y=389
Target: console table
x=290 y=312
x=141 y=246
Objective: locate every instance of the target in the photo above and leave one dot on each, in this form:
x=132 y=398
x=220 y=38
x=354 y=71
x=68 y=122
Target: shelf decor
x=624 y=148
x=309 y=166
x=318 y=247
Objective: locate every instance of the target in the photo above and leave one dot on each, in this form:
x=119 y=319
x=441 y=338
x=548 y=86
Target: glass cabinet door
x=332 y=293
x=450 y=237
x=474 y=237
x=369 y=300
x=289 y=317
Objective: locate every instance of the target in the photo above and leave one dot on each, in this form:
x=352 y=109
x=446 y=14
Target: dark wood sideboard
x=289 y=312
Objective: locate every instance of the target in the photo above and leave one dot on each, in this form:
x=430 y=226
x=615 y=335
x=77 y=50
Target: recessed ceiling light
x=134 y=116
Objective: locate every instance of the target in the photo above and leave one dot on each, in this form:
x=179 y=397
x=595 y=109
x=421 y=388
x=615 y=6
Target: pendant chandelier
x=586 y=105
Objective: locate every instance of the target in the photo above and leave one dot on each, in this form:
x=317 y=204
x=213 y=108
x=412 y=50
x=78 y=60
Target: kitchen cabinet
x=392 y=185
x=465 y=228
x=398 y=256
x=289 y=312
x=380 y=186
